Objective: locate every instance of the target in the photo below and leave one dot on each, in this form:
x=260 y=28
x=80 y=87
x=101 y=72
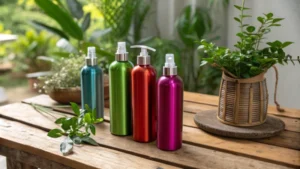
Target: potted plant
x=63 y=85
x=243 y=91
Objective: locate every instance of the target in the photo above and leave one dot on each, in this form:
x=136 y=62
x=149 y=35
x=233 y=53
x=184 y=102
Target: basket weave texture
x=243 y=102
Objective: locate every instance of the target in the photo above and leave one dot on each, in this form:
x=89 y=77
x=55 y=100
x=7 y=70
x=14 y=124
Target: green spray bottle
x=92 y=84
x=119 y=92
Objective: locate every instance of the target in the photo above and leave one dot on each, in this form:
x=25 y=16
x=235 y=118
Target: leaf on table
x=75 y=108
x=98 y=120
x=93 y=129
x=55 y=133
x=60 y=120
x=89 y=140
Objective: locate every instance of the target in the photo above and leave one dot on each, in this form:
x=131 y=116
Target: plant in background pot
x=63 y=85
x=243 y=90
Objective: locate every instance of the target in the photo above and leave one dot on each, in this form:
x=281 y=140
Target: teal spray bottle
x=92 y=92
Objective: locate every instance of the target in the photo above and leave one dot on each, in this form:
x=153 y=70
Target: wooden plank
x=244 y=147
x=21 y=157
x=13 y=164
x=188 y=121
x=285 y=139
x=35 y=141
x=198 y=156
x=211 y=100
x=290 y=124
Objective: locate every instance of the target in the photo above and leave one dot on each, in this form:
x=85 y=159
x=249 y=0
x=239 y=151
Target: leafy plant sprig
x=248 y=61
x=78 y=128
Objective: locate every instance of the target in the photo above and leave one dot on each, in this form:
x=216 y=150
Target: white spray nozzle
x=170 y=60
x=91 y=52
x=144 y=49
x=121 y=48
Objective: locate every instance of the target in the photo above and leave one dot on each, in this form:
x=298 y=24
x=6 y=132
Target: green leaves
x=88 y=118
x=241 y=8
x=75 y=108
x=72 y=126
x=285 y=44
x=86 y=22
x=90 y=141
x=40 y=25
x=60 y=120
x=237 y=19
x=250 y=29
x=249 y=60
x=261 y=19
x=269 y=15
x=55 y=133
x=75 y=8
x=191 y=27
x=61 y=17
x=277 y=20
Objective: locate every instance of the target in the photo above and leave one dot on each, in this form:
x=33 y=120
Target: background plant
x=103 y=23
x=28 y=48
x=248 y=60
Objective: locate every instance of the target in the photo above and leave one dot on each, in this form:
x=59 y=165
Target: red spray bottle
x=143 y=88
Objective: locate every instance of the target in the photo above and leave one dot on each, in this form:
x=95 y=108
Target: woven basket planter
x=243 y=102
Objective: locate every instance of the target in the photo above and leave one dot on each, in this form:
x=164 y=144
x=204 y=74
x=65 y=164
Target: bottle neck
x=143 y=60
x=167 y=71
x=121 y=57
x=91 y=61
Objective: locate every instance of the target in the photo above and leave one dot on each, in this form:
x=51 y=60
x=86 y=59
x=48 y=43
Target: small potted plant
x=243 y=90
x=63 y=85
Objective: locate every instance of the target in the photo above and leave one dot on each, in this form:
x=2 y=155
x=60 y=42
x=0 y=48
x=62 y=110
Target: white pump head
x=91 y=52
x=170 y=60
x=143 y=58
x=121 y=48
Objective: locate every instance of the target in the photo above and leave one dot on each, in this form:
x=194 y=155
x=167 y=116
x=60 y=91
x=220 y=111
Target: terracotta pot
x=66 y=95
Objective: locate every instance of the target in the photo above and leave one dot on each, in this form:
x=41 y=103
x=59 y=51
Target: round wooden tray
x=207 y=121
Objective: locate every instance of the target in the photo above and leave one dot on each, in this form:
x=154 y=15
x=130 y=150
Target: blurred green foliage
x=28 y=48
x=78 y=24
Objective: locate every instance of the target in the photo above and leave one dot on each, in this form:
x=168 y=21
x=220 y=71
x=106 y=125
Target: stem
x=241 y=17
x=259 y=36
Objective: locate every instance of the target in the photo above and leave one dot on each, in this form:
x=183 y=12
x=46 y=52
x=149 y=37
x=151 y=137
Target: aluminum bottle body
x=120 y=97
x=143 y=89
x=92 y=86
x=169 y=112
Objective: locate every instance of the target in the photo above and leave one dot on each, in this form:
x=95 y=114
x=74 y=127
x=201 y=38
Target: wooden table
x=23 y=139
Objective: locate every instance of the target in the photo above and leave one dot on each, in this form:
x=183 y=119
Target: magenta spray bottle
x=169 y=107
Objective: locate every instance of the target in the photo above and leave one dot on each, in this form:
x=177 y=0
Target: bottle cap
x=170 y=60
x=91 y=52
x=91 y=59
x=121 y=54
x=143 y=58
x=121 y=48
x=170 y=67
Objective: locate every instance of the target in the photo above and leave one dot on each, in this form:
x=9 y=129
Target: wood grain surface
x=200 y=149
x=209 y=157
